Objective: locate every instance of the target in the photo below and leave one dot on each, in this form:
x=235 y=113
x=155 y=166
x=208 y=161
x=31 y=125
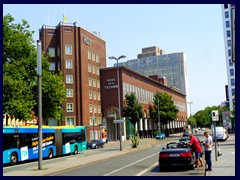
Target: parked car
x=203 y=129
x=185 y=134
x=95 y=144
x=176 y=154
x=187 y=139
x=160 y=136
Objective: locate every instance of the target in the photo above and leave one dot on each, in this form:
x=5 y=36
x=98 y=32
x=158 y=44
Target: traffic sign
x=119 y=121
x=215 y=115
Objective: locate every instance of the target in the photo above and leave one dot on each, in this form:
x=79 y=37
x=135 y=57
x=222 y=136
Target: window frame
x=68 y=109
x=67 y=78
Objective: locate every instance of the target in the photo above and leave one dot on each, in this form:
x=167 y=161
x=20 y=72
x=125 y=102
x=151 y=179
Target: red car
x=176 y=154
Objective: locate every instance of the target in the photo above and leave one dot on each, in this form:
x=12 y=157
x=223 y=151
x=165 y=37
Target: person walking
x=208 y=150
x=195 y=146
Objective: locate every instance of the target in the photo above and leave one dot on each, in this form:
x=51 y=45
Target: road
x=143 y=162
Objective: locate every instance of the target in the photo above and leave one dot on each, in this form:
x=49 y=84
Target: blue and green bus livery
x=21 y=143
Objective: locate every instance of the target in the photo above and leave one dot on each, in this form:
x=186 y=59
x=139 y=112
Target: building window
x=93 y=56
x=70 y=121
x=97 y=69
x=230 y=62
x=51 y=52
x=94 y=95
x=68 y=49
x=69 y=92
x=89 y=68
x=69 y=79
x=69 y=107
x=94 y=82
x=95 y=109
x=89 y=54
x=97 y=57
x=225 y=6
x=93 y=69
x=226 y=14
x=90 y=108
x=69 y=64
x=233 y=91
x=52 y=66
x=90 y=94
x=90 y=81
x=99 y=120
x=98 y=96
x=232 y=82
x=98 y=84
x=99 y=109
x=227 y=24
x=228 y=33
x=229 y=43
x=229 y=52
x=231 y=72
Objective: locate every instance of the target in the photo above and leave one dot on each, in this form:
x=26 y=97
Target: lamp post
x=119 y=105
x=39 y=75
x=159 y=121
x=190 y=110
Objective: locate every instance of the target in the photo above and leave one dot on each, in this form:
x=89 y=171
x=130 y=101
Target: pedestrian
x=208 y=150
x=196 y=148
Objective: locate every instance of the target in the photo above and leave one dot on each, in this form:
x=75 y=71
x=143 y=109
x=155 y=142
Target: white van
x=221 y=133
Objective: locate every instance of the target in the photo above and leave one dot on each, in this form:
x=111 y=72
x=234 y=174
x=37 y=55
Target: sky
x=195 y=29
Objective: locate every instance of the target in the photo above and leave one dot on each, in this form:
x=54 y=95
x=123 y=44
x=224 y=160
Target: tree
x=191 y=120
x=164 y=107
x=134 y=111
x=20 y=76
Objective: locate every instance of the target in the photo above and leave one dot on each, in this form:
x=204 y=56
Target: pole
x=159 y=121
x=119 y=108
x=115 y=127
x=215 y=140
x=93 y=125
x=39 y=74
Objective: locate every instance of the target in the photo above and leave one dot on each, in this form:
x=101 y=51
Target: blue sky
x=195 y=29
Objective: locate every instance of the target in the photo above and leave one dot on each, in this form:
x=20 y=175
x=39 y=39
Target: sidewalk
x=225 y=164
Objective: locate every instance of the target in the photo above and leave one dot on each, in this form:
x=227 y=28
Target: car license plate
x=174 y=155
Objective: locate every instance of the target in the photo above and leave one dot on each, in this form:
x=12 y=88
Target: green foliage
x=133 y=110
x=203 y=117
x=167 y=109
x=135 y=140
x=192 y=121
x=20 y=76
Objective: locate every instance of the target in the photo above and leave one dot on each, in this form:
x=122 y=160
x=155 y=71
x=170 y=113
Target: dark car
x=187 y=139
x=176 y=154
x=185 y=134
x=95 y=144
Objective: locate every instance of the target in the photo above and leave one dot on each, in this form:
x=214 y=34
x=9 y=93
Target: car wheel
x=13 y=159
x=192 y=167
x=102 y=146
x=50 y=154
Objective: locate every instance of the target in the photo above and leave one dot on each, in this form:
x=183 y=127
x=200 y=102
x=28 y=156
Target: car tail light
x=186 y=154
x=163 y=155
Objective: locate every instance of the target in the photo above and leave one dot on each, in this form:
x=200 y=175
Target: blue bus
x=21 y=143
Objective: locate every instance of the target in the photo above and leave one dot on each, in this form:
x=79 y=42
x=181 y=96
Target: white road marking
x=123 y=167
x=145 y=170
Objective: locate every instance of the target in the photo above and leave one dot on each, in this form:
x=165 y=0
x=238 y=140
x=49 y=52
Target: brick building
x=144 y=88
x=79 y=54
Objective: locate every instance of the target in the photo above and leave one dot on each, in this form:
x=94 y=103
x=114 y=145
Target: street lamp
x=190 y=110
x=119 y=106
x=39 y=75
x=190 y=107
x=159 y=121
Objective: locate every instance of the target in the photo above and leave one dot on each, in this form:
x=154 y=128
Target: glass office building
x=172 y=66
x=228 y=16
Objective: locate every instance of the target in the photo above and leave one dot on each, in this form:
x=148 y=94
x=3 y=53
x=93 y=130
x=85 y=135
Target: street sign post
x=214 y=119
x=119 y=121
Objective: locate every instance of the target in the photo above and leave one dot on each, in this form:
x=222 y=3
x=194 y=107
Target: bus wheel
x=50 y=153
x=14 y=159
x=75 y=150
